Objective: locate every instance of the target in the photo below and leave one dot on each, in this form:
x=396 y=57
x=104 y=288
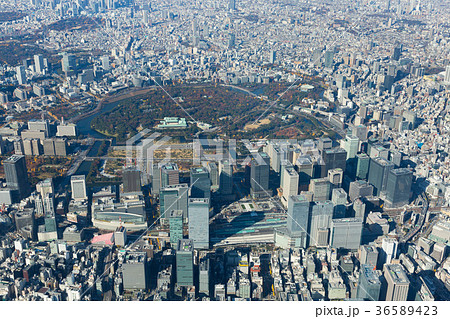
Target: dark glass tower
x=17 y=176
x=398 y=187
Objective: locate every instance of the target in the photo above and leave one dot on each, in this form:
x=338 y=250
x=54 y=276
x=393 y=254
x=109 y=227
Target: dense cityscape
x=224 y=150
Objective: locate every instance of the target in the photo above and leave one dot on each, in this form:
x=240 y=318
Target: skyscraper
x=369 y=284
x=362 y=166
x=284 y=164
x=204 y=273
x=225 y=177
x=339 y=200
x=134 y=269
x=39 y=63
x=259 y=176
x=290 y=183
x=131 y=180
x=321 y=188
x=78 y=185
x=335 y=176
x=68 y=63
x=17 y=176
x=329 y=59
x=397 y=282
x=156 y=178
x=359 y=189
x=298 y=218
x=368 y=254
x=175 y=226
x=232 y=5
x=272 y=56
x=305 y=171
x=350 y=144
x=213 y=175
x=198 y=209
x=378 y=172
x=321 y=215
x=335 y=158
x=169 y=175
x=359 y=209
x=447 y=74
x=231 y=41
x=398 y=187
x=346 y=233
x=388 y=250
x=21 y=75
x=200 y=183
x=185 y=263
x=174 y=197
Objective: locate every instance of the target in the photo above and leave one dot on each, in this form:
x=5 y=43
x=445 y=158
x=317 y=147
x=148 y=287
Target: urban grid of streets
x=339 y=188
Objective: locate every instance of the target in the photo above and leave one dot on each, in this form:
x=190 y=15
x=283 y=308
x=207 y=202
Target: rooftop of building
x=397 y=273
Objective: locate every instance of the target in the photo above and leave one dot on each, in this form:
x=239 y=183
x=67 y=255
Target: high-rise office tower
x=39 y=63
x=45 y=187
x=388 y=250
x=17 y=176
x=339 y=200
x=324 y=143
x=335 y=176
x=284 y=164
x=346 y=233
x=225 y=177
x=259 y=176
x=175 y=226
x=351 y=145
x=290 y=183
x=398 y=187
x=131 y=178
x=368 y=254
x=329 y=59
x=369 y=284
x=185 y=263
x=69 y=63
x=359 y=188
x=276 y=155
x=335 y=158
x=200 y=183
x=156 y=178
x=397 y=282
x=396 y=53
x=105 y=62
x=49 y=213
x=169 y=175
x=360 y=131
x=198 y=209
x=134 y=270
x=78 y=185
x=213 y=175
x=232 y=5
x=378 y=172
x=231 y=41
x=272 y=56
x=321 y=189
x=298 y=218
x=204 y=273
x=317 y=55
x=447 y=74
x=21 y=75
x=305 y=171
x=321 y=215
x=174 y=197
x=359 y=209
x=362 y=165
